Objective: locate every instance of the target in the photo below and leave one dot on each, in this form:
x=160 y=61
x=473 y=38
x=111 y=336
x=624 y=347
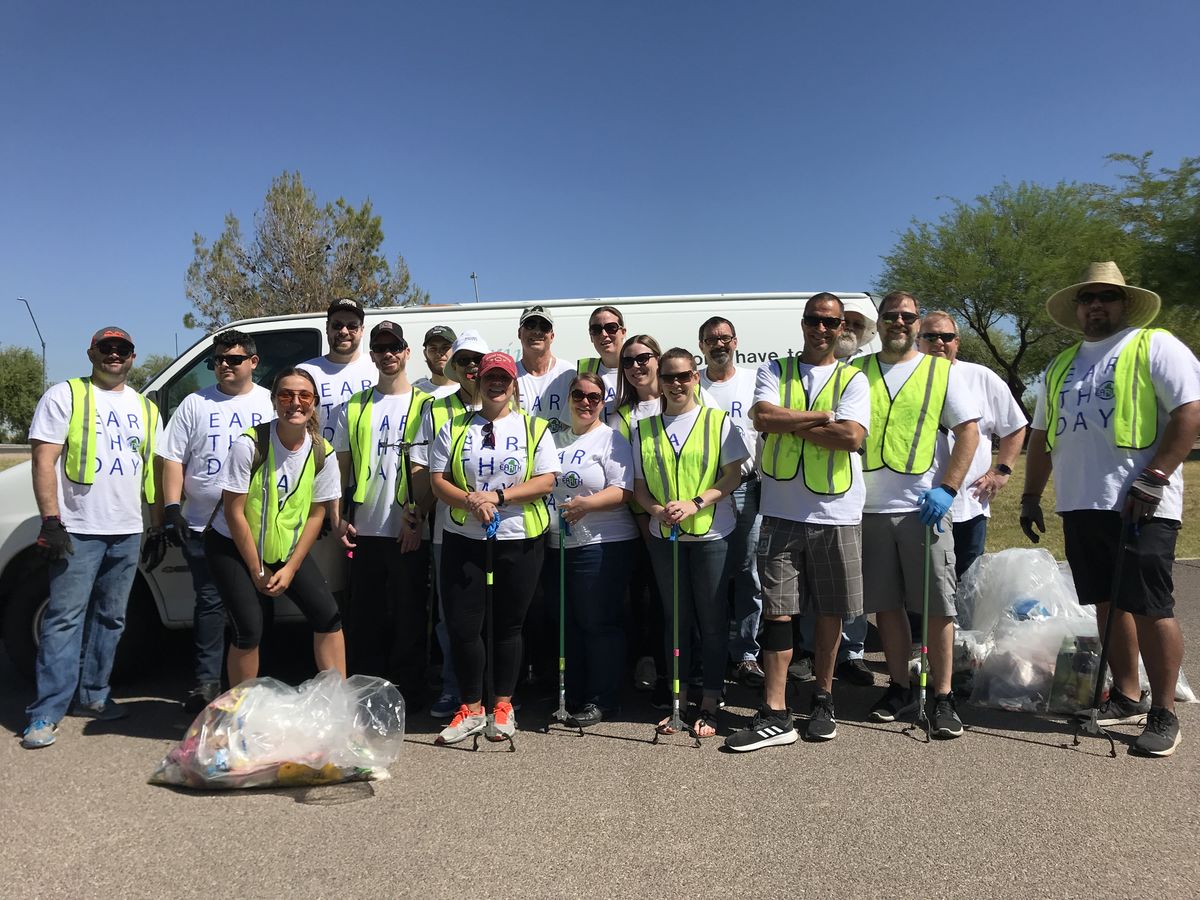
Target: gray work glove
x=175 y=525
x=1031 y=514
x=1144 y=495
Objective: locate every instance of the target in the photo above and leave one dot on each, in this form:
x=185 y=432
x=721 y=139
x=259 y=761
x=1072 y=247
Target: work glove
x=1031 y=514
x=1144 y=495
x=935 y=503
x=53 y=542
x=175 y=526
x=154 y=548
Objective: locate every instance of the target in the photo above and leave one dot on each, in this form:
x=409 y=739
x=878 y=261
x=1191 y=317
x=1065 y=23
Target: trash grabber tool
x=262 y=522
x=489 y=683
x=675 y=725
x=561 y=715
x=923 y=681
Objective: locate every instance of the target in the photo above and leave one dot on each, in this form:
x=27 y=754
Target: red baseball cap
x=497 y=360
x=111 y=332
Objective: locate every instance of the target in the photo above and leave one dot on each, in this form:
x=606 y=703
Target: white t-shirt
x=545 y=396
x=379 y=515
x=1001 y=415
x=893 y=492
x=1090 y=471
x=435 y=391
x=792 y=499
x=420 y=457
x=488 y=469
x=337 y=383
x=199 y=436
x=732 y=450
x=736 y=396
x=112 y=504
x=590 y=463
x=289 y=465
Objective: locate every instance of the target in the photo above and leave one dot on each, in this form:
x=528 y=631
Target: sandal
x=706 y=721
x=664 y=727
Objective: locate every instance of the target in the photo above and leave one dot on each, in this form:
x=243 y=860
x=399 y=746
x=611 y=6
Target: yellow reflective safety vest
x=442 y=410
x=534 y=515
x=671 y=476
x=283 y=524
x=1135 y=411
x=362 y=440
x=80 y=462
x=904 y=428
x=589 y=364
x=825 y=471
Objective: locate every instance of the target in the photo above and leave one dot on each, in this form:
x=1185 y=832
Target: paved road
x=1006 y=811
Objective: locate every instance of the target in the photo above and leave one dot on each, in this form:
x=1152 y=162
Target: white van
x=767 y=325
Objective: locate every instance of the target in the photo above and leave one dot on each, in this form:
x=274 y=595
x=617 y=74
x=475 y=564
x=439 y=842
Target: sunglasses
x=468 y=362
x=831 y=323
x=393 y=347
x=719 y=340
x=906 y=317
x=628 y=362
x=591 y=398
x=489 y=436
x=537 y=325
x=109 y=348
x=351 y=327
x=606 y=328
x=677 y=377
x=946 y=337
x=304 y=398
x=1084 y=298
x=233 y=360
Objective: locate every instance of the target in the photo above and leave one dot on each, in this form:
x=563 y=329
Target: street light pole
x=475 y=281
x=40 y=338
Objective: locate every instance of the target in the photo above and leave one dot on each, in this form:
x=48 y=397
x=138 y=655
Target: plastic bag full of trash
x=265 y=733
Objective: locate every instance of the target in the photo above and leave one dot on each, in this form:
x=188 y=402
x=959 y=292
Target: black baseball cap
x=440 y=332
x=346 y=304
x=388 y=328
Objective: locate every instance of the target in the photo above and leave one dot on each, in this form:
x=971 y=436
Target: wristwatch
x=699 y=503
x=500 y=496
x=1003 y=469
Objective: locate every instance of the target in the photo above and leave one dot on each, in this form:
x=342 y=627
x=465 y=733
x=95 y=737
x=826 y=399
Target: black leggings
x=245 y=607
x=517 y=566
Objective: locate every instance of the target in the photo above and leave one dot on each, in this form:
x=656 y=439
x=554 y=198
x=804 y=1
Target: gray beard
x=847 y=345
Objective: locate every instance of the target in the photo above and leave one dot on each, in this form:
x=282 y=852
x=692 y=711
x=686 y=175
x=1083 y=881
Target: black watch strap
x=1003 y=469
x=500 y=495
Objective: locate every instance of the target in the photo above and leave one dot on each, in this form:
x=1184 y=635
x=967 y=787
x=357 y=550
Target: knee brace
x=776 y=635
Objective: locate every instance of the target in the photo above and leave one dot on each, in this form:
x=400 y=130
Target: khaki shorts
x=894 y=564
x=807 y=567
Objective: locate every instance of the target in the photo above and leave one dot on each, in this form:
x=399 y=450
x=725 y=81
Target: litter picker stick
x=262 y=523
x=561 y=715
x=922 y=717
x=675 y=726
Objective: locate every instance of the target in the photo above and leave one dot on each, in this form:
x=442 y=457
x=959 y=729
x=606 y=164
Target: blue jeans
x=449 y=678
x=703 y=602
x=84 y=620
x=854 y=637
x=208 y=618
x=970 y=542
x=594 y=589
x=742 y=569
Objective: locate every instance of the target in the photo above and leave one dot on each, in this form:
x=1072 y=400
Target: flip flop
x=706 y=718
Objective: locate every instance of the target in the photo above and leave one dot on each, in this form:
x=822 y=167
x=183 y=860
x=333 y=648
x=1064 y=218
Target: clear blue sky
x=558 y=149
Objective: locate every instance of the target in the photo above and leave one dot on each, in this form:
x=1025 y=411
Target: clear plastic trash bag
x=265 y=733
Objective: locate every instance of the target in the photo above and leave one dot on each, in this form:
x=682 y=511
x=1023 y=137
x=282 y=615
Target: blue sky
x=557 y=149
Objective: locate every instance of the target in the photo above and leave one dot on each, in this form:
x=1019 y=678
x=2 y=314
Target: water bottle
x=580 y=531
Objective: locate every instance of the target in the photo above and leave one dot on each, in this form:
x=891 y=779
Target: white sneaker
x=464 y=724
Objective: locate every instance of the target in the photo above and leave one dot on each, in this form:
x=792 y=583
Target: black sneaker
x=770 y=728
x=1120 y=710
x=896 y=701
x=1161 y=736
x=660 y=695
x=589 y=714
x=945 y=722
x=801 y=670
x=822 y=726
x=855 y=671
x=201 y=695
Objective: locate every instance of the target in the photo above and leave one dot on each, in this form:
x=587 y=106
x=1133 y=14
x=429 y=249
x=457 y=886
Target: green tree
x=302 y=255
x=20 y=388
x=147 y=368
x=994 y=261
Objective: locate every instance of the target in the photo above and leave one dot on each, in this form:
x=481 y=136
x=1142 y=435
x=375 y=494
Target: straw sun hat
x=1143 y=304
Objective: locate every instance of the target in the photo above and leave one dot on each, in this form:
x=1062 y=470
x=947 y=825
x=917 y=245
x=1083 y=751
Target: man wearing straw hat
x=1116 y=416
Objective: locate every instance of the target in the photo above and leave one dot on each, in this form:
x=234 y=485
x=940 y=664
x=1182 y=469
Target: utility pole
x=475 y=281
x=40 y=338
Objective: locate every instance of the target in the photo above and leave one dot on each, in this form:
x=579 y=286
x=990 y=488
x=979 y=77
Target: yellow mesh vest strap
x=80 y=463
x=150 y=414
x=828 y=472
x=781 y=452
x=458 y=476
x=1056 y=374
x=358 y=427
x=1135 y=413
x=903 y=434
x=589 y=364
x=535 y=517
x=412 y=425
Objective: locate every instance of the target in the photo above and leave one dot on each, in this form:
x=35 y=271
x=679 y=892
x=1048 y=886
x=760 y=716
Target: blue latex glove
x=935 y=503
x=492 y=527
x=674 y=532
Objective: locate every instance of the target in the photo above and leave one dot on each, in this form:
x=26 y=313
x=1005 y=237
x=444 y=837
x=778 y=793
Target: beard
x=847 y=345
x=898 y=343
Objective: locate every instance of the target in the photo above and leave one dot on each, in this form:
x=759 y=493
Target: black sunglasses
x=395 y=347
x=628 y=362
x=489 y=436
x=351 y=327
x=906 y=317
x=109 y=348
x=831 y=323
x=536 y=324
x=677 y=377
x=946 y=337
x=1083 y=298
x=233 y=360
x=591 y=398
x=607 y=328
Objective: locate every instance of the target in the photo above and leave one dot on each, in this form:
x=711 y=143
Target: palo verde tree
x=301 y=256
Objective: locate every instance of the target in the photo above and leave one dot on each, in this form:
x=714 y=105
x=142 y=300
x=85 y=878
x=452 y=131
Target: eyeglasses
x=608 y=328
x=468 y=362
x=1084 y=298
x=628 y=362
x=110 y=348
x=395 y=348
x=591 y=398
x=304 y=398
x=537 y=325
x=233 y=360
x=831 y=323
x=677 y=377
x=351 y=327
x=489 y=436
x=946 y=337
x=907 y=317
x=716 y=340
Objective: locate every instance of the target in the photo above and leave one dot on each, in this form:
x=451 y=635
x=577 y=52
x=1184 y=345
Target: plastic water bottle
x=580 y=531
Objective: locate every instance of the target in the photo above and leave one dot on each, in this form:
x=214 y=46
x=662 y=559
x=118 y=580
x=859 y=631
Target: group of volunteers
x=691 y=521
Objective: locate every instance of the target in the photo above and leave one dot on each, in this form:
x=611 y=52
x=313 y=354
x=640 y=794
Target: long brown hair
x=311 y=426
x=626 y=392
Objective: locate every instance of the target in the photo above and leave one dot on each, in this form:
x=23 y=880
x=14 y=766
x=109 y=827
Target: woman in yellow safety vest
x=687 y=461
x=276 y=481
x=495 y=465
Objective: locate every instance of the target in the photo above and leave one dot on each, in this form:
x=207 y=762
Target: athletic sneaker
x=1161 y=736
x=108 y=711
x=1120 y=710
x=896 y=701
x=504 y=722
x=464 y=724
x=445 y=706
x=945 y=722
x=204 y=693
x=801 y=670
x=822 y=726
x=770 y=728
x=855 y=671
x=40 y=733
x=644 y=674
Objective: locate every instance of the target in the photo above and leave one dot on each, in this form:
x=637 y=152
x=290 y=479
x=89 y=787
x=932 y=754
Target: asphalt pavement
x=1007 y=811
